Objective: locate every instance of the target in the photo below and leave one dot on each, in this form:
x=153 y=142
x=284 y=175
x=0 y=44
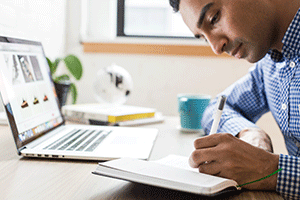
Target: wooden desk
x=24 y=178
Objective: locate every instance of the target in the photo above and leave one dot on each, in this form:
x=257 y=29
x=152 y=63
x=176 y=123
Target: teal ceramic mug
x=191 y=108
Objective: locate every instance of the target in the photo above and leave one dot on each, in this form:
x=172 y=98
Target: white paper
x=171 y=172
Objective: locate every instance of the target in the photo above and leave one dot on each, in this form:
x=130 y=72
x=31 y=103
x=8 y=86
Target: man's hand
x=227 y=156
x=257 y=137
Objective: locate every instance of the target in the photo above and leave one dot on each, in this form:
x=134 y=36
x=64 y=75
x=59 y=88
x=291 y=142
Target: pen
x=218 y=114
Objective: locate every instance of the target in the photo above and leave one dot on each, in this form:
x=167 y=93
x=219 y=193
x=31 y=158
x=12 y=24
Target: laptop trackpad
x=127 y=144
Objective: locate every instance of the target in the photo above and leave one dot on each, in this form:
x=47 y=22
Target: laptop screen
x=27 y=90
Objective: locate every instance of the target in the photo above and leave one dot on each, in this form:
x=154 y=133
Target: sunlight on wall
x=40 y=20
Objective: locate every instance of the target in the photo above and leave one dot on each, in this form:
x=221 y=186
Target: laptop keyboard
x=79 y=140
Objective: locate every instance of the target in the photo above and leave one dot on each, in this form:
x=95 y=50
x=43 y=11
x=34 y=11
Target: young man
x=267 y=33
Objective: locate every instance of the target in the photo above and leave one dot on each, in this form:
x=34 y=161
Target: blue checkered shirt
x=273 y=84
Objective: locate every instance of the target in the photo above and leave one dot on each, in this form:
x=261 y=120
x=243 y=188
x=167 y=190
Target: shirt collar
x=291 y=41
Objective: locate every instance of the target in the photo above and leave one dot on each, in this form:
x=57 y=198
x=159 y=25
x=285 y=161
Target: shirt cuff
x=234 y=125
x=288 y=179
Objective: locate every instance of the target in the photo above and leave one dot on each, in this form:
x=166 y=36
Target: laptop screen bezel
x=11 y=121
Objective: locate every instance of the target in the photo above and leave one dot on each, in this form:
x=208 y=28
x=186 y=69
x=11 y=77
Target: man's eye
x=198 y=36
x=215 y=18
x=201 y=37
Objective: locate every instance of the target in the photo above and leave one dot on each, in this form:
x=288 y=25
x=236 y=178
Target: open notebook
x=172 y=172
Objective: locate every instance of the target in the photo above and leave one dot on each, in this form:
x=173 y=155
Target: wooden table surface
x=29 y=178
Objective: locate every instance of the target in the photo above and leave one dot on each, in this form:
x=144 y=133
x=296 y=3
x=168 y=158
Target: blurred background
x=157 y=79
x=97 y=30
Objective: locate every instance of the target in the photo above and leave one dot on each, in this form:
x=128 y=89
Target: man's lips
x=235 y=52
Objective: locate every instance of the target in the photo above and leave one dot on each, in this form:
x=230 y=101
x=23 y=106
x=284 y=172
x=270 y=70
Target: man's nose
x=218 y=44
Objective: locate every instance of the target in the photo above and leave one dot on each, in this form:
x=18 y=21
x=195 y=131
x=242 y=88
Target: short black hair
x=175 y=5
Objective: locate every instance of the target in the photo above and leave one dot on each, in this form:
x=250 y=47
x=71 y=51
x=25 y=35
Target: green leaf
x=50 y=65
x=73 y=91
x=62 y=78
x=74 y=66
x=55 y=64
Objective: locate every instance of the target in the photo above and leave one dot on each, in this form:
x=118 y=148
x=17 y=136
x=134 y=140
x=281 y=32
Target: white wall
x=40 y=20
x=158 y=79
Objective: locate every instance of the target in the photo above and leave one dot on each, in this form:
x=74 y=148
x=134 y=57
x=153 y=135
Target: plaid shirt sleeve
x=245 y=104
x=288 y=180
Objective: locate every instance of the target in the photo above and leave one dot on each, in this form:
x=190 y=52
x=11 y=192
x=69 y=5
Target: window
x=149 y=18
x=102 y=21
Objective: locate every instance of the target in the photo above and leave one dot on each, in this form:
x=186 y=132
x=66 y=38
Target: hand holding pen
x=227 y=156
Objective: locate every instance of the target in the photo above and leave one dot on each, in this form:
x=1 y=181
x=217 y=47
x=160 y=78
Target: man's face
x=242 y=28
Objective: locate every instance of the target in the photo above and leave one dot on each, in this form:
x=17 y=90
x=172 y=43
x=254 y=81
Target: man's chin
x=251 y=60
x=254 y=59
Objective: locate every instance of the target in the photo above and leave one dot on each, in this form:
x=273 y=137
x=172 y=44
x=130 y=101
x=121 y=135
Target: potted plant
x=63 y=82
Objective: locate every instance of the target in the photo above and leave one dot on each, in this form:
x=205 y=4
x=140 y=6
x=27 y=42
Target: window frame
x=120 y=18
x=121 y=25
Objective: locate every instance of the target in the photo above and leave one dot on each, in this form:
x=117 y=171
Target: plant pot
x=62 y=90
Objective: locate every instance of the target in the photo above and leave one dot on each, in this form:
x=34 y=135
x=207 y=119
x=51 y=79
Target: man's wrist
x=270 y=182
x=270 y=176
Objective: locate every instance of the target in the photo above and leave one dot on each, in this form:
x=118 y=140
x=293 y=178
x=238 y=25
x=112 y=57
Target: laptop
x=37 y=124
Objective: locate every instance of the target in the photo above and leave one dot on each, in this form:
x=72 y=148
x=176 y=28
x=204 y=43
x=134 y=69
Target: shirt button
x=297 y=144
x=292 y=64
x=283 y=106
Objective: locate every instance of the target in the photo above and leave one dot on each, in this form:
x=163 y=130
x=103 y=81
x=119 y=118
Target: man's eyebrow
x=203 y=13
